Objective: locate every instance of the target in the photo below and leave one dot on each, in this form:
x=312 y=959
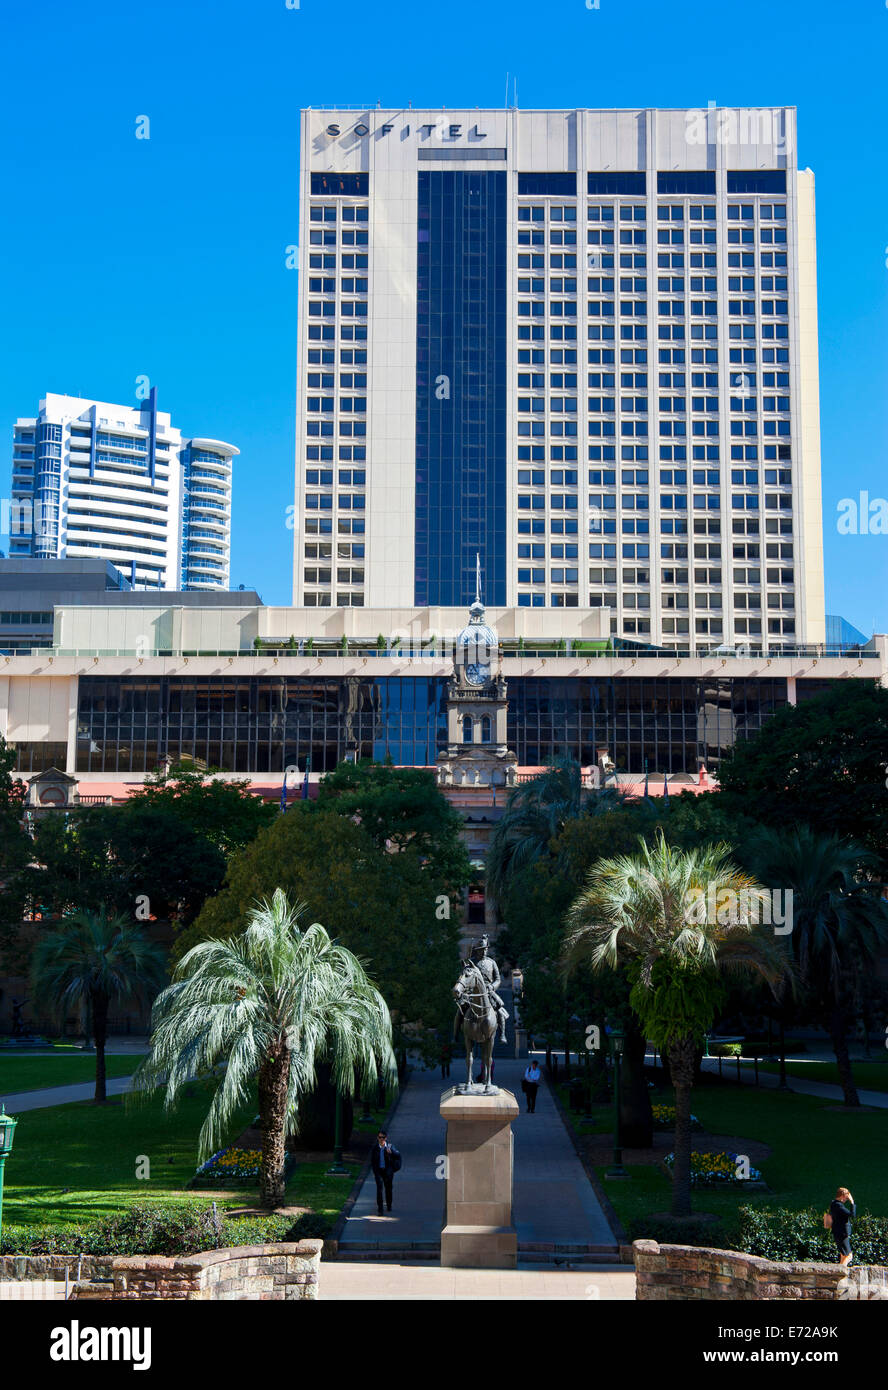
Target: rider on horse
x=490 y=970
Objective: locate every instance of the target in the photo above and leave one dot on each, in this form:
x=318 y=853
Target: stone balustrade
x=284 y=1271
x=692 y=1272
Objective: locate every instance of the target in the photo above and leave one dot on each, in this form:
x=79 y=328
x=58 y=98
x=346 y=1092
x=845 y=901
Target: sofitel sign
x=440 y=127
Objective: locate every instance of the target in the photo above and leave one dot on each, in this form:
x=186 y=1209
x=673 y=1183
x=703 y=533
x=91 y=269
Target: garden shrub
x=153 y=1228
x=800 y=1235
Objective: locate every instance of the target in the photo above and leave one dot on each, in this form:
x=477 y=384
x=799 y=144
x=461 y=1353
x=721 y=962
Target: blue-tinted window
x=610 y=183
x=687 y=181
x=554 y=184
x=756 y=180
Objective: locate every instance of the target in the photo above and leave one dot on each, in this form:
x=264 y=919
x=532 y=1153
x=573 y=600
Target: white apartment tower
x=112 y=482
x=582 y=344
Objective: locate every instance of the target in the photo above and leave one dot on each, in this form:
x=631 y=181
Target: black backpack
x=397 y=1160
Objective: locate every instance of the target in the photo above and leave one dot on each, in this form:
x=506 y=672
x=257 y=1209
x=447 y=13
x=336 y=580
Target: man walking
x=531 y=1084
x=385 y=1161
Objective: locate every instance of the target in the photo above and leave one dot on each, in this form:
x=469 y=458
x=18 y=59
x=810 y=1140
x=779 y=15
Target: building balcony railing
x=357 y=648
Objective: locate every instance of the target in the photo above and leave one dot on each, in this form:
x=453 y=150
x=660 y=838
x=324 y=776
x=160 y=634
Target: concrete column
x=71 y=757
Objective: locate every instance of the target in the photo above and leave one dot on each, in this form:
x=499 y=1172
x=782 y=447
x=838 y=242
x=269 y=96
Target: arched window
x=485 y=729
x=468 y=726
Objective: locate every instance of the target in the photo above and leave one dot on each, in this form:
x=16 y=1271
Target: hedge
x=159 y=1229
x=800 y=1235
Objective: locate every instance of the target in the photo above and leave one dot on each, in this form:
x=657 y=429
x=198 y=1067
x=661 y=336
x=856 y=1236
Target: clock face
x=477 y=674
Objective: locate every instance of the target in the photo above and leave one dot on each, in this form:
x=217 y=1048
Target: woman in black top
x=843 y=1211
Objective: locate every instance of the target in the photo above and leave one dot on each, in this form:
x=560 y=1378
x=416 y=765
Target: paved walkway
x=420 y=1282
x=61 y=1095
x=767 y=1079
x=554 y=1203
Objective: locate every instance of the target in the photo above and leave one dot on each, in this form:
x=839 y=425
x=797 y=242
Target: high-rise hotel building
x=582 y=344
x=92 y=480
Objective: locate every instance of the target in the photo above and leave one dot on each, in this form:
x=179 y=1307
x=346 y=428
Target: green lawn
x=814 y=1149
x=868 y=1076
x=36 y=1073
x=71 y=1163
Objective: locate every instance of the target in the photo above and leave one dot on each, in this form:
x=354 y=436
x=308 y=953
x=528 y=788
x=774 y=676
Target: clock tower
x=477 y=754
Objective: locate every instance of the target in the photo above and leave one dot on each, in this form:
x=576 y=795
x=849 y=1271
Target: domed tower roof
x=477 y=633
x=477 y=643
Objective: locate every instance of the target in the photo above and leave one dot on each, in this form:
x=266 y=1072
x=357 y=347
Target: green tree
x=227 y=814
x=95 y=960
x=394 y=909
x=641 y=910
x=115 y=856
x=401 y=808
x=271 y=1003
x=535 y=901
x=839 y=926
x=822 y=762
x=536 y=812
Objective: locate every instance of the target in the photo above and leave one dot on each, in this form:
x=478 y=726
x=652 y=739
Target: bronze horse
x=479 y=1022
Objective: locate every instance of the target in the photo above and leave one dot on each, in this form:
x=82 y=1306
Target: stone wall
x=689 y=1272
x=285 y=1271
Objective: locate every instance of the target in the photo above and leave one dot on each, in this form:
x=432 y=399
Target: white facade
x=660 y=355
x=96 y=480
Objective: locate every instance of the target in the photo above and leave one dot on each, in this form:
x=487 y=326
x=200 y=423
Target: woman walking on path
x=842 y=1212
x=531 y=1084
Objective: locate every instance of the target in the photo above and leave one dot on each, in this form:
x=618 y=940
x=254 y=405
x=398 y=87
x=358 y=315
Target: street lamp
x=337 y=1167
x=616 y=1169
x=7 y=1131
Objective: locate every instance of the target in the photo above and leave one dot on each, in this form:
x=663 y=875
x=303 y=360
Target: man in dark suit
x=385 y=1161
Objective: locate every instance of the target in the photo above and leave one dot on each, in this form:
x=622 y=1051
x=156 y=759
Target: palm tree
x=272 y=1004
x=839 y=925
x=92 y=959
x=535 y=813
x=652 y=911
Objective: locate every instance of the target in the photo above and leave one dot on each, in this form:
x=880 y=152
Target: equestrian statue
x=480 y=1012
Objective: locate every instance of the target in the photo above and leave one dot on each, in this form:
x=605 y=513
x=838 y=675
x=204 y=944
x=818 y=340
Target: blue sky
x=121 y=257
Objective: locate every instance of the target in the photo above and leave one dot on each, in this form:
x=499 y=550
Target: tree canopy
x=823 y=762
x=164 y=850
x=397 y=908
x=226 y=813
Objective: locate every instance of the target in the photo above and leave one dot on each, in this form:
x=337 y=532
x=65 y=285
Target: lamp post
x=616 y=1169
x=7 y=1131
x=337 y=1167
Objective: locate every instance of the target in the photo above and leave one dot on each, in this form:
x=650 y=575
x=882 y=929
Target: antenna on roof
x=506 y=102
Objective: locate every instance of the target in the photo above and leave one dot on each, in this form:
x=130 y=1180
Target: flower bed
x=715 y=1169
x=664 y=1118
x=233 y=1167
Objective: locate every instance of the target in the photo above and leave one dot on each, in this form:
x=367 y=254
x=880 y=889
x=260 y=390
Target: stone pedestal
x=479 y=1232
